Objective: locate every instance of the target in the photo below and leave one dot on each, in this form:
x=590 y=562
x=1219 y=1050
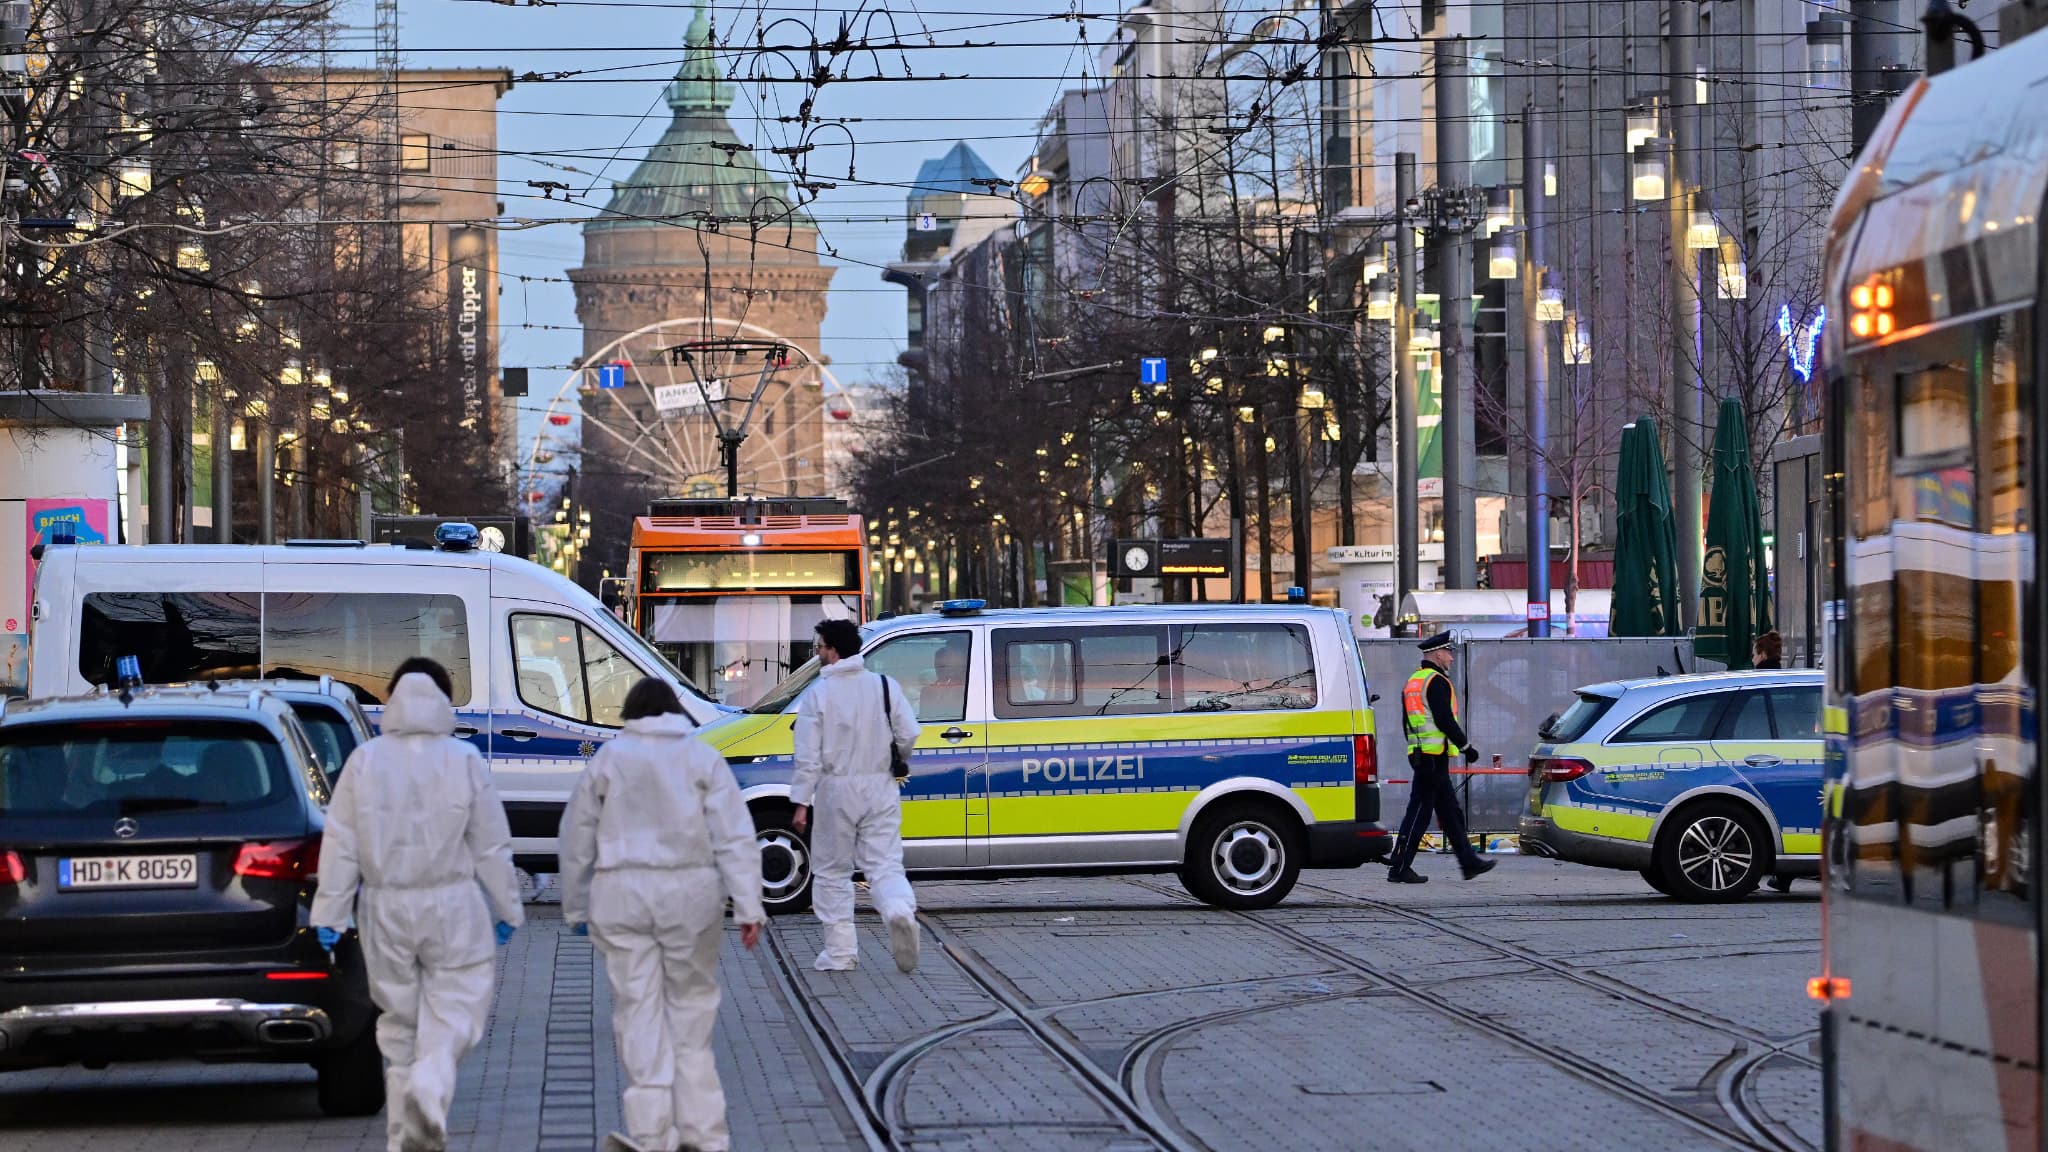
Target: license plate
x=77 y=872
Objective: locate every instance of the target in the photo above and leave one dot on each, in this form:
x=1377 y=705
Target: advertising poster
x=88 y=521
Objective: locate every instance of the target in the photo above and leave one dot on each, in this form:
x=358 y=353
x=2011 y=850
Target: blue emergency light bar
x=961 y=607
x=457 y=537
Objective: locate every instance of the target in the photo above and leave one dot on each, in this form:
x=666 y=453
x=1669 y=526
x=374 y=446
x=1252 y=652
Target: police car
x=1707 y=784
x=1232 y=744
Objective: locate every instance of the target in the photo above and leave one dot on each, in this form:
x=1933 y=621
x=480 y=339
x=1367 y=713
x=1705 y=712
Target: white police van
x=540 y=668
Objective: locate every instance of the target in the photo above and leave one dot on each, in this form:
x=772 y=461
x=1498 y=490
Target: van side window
x=179 y=636
x=1046 y=672
x=360 y=638
x=566 y=669
x=1244 y=667
x=931 y=667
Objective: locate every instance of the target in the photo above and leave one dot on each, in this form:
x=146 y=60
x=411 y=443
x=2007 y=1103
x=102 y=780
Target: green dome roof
x=698 y=165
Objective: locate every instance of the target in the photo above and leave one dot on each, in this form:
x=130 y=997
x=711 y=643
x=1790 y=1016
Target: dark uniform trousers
x=1430 y=791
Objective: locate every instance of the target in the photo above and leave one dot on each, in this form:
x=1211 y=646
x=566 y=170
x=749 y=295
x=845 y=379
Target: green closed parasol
x=1735 y=584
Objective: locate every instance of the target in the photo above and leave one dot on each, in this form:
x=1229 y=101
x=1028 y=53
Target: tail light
x=1365 y=761
x=280 y=859
x=1560 y=769
x=12 y=870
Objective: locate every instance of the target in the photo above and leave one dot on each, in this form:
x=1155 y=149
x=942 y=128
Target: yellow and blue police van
x=1232 y=744
x=1707 y=785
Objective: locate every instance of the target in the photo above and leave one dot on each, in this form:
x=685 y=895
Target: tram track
x=1553 y=966
x=1133 y=1087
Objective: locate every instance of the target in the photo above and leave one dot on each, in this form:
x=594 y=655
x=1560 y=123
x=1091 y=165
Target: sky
x=1025 y=56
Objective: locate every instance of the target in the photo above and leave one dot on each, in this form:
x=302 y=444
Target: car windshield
x=127 y=767
x=792 y=686
x=328 y=731
x=1578 y=719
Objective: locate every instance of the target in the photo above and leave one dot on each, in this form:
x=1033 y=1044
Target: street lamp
x=1550 y=301
x=1500 y=209
x=1703 y=234
x=1642 y=125
x=1824 y=66
x=1379 y=303
x=1274 y=333
x=1500 y=258
x=1649 y=168
x=1578 y=342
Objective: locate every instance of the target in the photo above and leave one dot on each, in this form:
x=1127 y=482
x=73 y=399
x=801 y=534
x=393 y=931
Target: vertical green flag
x=1735 y=601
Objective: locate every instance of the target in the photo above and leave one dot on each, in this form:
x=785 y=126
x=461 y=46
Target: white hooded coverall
x=654 y=840
x=842 y=772
x=417 y=825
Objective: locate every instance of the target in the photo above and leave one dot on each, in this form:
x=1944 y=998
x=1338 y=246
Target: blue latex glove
x=504 y=931
x=328 y=937
x=580 y=928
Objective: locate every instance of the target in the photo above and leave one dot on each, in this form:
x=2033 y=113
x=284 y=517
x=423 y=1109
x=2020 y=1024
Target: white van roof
x=511 y=575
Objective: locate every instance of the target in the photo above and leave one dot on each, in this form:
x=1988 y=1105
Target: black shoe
x=1781 y=883
x=1480 y=868
x=1406 y=876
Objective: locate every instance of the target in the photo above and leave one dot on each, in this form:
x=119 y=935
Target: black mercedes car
x=158 y=853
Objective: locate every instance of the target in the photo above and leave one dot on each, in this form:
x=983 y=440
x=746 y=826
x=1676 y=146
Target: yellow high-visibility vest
x=1423 y=734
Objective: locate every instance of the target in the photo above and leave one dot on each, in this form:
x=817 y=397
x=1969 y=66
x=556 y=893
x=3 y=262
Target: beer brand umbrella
x=1645 y=548
x=1735 y=596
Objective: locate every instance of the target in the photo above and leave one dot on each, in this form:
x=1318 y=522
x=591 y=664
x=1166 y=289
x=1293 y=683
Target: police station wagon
x=1232 y=744
x=1705 y=784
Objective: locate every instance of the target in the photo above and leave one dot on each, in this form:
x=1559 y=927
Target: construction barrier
x=1507 y=688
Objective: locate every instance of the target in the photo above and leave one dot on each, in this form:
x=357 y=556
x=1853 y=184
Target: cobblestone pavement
x=1545 y=1006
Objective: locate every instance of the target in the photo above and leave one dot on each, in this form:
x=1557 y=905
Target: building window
x=414 y=154
x=348 y=156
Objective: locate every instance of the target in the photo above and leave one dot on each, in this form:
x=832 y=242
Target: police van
x=1707 y=785
x=1232 y=744
x=540 y=668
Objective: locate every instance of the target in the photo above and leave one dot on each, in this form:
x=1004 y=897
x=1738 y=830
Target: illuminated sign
x=1801 y=340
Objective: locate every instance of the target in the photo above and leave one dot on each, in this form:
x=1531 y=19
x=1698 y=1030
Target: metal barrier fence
x=1506 y=689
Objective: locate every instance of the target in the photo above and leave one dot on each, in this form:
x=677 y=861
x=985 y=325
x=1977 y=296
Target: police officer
x=1429 y=716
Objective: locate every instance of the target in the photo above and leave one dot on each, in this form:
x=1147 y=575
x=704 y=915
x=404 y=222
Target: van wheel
x=1654 y=877
x=1243 y=855
x=352 y=1077
x=1714 y=852
x=785 y=862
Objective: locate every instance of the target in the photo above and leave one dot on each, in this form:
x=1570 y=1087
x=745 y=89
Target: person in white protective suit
x=416 y=847
x=844 y=732
x=654 y=840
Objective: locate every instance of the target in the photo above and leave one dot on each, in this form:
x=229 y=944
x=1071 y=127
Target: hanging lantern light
x=238 y=437
x=192 y=257
x=1500 y=208
x=1375 y=265
x=1642 y=125
x=1703 y=233
x=1332 y=430
x=1648 y=170
x=1550 y=301
x=1500 y=258
x=1246 y=414
x=1213 y=386
x=1824 y=39
x=1274 y=333
x=1312 y=398
x=1379 y=303
x=1578 y=343
x=1732 y=273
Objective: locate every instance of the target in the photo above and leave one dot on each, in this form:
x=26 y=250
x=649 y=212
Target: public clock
x=1137 y=559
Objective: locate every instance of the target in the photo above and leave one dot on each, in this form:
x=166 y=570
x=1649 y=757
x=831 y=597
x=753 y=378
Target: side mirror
x=1371 y=700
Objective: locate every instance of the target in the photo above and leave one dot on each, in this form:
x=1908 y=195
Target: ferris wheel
x=684 y=404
